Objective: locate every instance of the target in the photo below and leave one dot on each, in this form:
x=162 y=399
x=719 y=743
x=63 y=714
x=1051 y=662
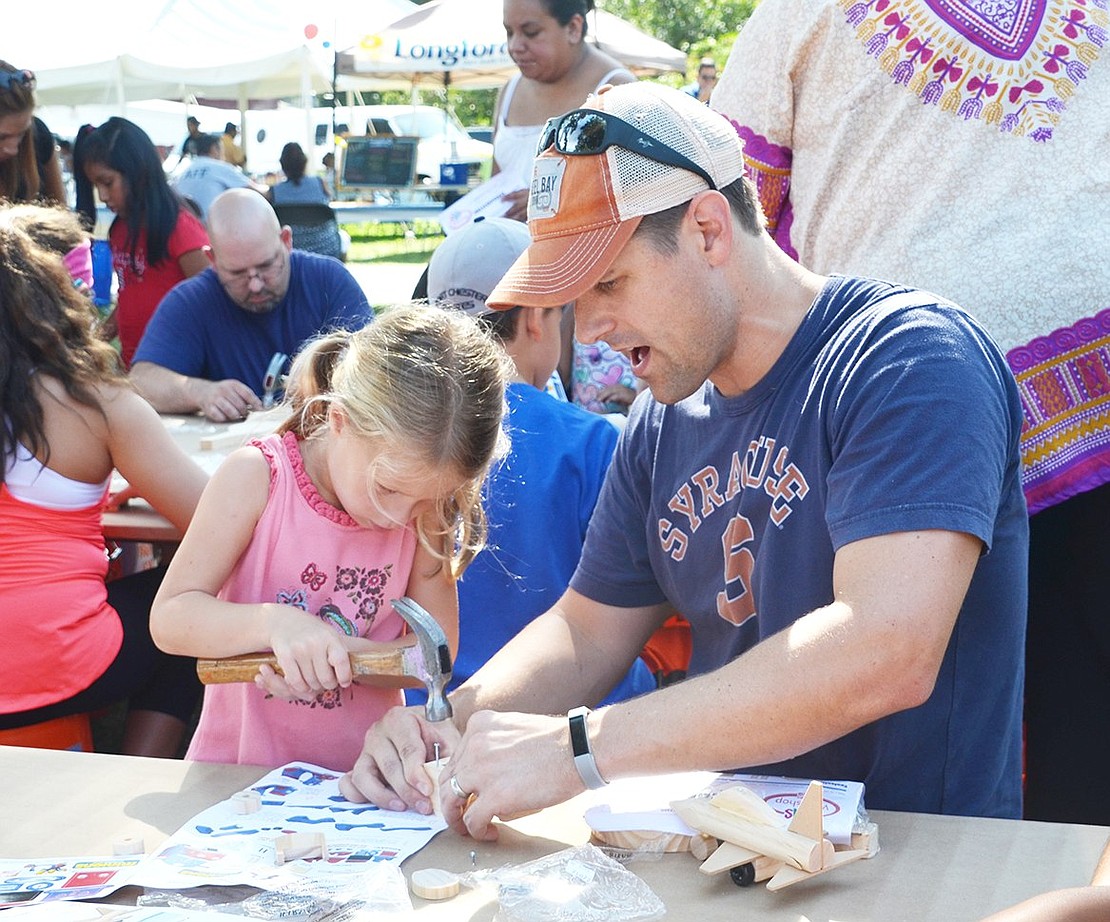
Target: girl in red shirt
x=156 y=241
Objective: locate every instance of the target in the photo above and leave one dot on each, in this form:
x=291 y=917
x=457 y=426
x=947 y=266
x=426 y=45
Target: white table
x=207 y=443
x=63 y=804
x=392 y=212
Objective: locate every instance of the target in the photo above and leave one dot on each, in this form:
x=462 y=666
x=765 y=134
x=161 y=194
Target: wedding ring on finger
x=457 y=790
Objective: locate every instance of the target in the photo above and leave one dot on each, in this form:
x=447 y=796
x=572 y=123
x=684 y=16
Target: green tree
x=698 y=27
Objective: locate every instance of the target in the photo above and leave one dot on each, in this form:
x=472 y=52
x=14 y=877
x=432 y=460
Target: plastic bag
x=374 y=891
x=575 y=885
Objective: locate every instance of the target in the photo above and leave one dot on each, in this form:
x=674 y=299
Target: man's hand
x=508 y=765
x=224 y=401
x=390 y=769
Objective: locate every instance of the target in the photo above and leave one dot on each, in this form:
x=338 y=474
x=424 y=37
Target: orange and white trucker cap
x=582 y=209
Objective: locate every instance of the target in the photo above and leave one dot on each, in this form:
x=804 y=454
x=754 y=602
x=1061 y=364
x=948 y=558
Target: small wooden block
x=434 y=884
x=247 y=801
x=433 y=769
x=128 y=845
x=702 y=846
x=294 y=845
x=646 y=840
x=867 y=840
x=224 y=441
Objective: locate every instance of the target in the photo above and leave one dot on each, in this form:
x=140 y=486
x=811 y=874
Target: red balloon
x=310 y=31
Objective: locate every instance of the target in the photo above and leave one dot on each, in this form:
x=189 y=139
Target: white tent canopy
x=462 y=42
x=120 y=51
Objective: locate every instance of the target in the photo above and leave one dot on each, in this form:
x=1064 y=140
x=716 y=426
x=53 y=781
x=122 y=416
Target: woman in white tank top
x=558 y=70
x=68 y=418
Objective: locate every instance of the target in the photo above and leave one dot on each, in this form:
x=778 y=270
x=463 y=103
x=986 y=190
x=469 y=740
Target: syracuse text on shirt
x=764 y=466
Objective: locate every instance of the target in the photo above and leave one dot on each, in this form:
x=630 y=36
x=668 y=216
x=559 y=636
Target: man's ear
x=712 y=216
x=287 y=237
x=211 y=257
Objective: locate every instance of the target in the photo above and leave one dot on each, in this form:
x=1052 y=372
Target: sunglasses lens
x=581 y=133
x=548 y=136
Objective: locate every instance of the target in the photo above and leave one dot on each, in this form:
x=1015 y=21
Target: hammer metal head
x=433 y=665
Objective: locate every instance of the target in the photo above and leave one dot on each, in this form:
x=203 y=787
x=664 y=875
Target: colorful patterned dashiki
x=957 y=146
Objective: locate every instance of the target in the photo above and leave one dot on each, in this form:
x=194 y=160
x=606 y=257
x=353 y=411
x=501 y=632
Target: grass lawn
x=395 y=243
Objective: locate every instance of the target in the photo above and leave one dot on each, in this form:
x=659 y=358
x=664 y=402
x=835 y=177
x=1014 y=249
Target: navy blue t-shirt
x=888 y=411
x=199 y=331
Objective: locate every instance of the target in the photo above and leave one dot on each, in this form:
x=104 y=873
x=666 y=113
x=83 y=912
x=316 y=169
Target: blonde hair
x=426 y=380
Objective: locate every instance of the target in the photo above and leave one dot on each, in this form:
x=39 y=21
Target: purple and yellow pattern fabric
x=1064 y=379
x=1010 y=64
x=960 y=146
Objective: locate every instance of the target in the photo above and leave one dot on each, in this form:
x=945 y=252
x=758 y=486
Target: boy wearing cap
x=539 y=499
x=825 y=482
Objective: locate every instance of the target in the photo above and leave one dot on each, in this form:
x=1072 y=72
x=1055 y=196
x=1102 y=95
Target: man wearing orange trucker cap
x=824 y=479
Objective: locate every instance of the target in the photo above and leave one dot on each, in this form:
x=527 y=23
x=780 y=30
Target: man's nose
x=590 y=325
x=255 y=281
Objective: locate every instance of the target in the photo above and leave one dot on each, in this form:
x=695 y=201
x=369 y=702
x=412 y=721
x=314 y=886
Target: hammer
x=428 y=660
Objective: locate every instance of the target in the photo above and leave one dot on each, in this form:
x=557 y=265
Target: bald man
x=209 y=345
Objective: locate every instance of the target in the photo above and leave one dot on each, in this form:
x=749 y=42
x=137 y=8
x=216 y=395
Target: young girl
x=369 y=492
x=156 y=241
x=71 y=643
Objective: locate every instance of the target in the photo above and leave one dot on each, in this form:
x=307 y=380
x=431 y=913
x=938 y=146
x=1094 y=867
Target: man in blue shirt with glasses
x=218 y=341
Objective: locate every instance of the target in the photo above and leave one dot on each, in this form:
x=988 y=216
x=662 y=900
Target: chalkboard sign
x=379 y=161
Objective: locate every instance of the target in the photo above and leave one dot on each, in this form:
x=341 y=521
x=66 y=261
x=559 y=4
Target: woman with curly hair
x=69 y=419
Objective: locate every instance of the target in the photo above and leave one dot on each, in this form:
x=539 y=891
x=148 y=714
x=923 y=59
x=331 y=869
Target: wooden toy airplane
x=756 y=847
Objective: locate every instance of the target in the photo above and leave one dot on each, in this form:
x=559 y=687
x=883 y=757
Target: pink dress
x=307 y=553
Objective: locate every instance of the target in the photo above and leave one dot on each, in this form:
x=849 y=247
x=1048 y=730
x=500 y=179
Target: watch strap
x=580 y=747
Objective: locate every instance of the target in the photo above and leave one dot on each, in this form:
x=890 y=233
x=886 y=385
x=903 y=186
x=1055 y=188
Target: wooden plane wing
x=726 y=857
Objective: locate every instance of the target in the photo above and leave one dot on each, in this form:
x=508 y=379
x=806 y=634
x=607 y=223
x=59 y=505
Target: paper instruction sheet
x=221 y=845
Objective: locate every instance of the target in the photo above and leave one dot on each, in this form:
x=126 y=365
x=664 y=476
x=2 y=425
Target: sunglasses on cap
x=23 y=77
x=585 y=132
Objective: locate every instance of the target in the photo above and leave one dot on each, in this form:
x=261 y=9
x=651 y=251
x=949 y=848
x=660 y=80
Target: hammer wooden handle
x=245 y=668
